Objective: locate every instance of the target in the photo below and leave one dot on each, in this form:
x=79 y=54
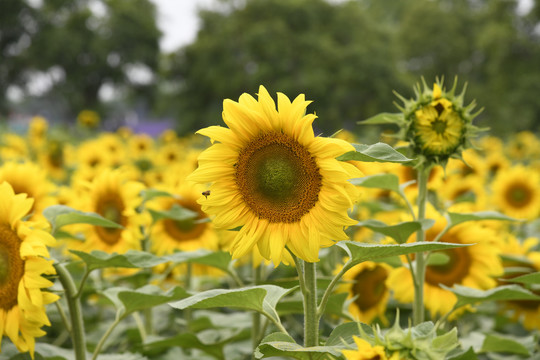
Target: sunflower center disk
x=278 y=178
x=439 y=126
x=11 y=267
x=111 y=209
x=370 y=287
x=519 y=196
x=189 y=229
x=453 y=272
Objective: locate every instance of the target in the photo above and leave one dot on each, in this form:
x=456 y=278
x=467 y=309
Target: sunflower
x=116 y=198
x=168 y=235
x=521 y=259
x=23 y=250
x=275 y=179
x=472 y=266
x=88 y=119
x=30 y=179
x=365 y=284
x=470 y=189
x=366 y=351
x=516 y=192
x=436 y=123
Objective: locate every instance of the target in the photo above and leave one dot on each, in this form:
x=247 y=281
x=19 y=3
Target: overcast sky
x=178 y=21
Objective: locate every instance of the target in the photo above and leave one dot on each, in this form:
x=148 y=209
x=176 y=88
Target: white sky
x=178 y=21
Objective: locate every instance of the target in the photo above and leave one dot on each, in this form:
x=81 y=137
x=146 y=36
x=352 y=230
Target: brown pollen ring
x=278 y=178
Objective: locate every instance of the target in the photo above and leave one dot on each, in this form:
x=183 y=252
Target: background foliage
x=345 y=56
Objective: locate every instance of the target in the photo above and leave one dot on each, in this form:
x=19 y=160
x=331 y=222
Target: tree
x=333 y=53
x=90 y=49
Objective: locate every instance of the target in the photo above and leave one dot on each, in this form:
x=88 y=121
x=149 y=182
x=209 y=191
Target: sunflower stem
x=418 y=305
x=105 y=336
x=311 y=320
x=256 y=325
x=74 y=308
x=330 y=289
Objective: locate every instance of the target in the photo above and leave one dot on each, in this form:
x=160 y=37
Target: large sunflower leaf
x=262 y=298
x=470 y=296
x=127 y=301
x=342 y=335
x=217 y=259
x=379 y=152
x=279 y=344
x=360 y=252
x=149 y=194
x=399 y=232
x=457 y=218
x=62 y=215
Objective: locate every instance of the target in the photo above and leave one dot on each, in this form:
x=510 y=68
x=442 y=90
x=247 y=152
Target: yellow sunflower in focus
x=22 y=263
x=28 y=178
x=366 y=351
x=516 y=192
x=275 y=179
x=116 y=198
x=473 y=266
x=366 y=284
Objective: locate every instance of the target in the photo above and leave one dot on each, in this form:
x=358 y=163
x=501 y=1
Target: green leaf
x=383 y=118
x=279 y=344
x=457 y=218
x=467 y=355
x=470 y=296
x=399 y=232
x=360 y=252
x=379 y=152
x=131 y=259
x=61 y=215
x=378 y=181
x=176 y=212
x=149 y=194
x=217 y=259
x=127 y=301
x=343 y=334
x=211 y=341
x=496 y=343
x=437 y=258
x=262 y=298
x=530 y=279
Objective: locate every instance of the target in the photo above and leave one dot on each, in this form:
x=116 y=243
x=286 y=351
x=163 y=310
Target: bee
x=206 y=193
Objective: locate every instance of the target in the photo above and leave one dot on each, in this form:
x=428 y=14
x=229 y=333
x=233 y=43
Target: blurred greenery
x=346 y=56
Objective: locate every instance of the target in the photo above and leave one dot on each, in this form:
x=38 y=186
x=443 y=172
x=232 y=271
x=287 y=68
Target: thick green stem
x=311 y=320
x=74 y=307
x=418 y=305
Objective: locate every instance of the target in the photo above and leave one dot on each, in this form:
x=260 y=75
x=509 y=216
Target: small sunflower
x=516 y=192
x=23 y=250
x=275 y=179
x=366 y=351
x=168 y=235
x=472 y=266
x=88 y=119
x=437 y=124
x=365 y=283
x=116 y=198
x=28 y=178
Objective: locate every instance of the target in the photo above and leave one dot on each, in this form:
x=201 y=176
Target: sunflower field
x=261 y=239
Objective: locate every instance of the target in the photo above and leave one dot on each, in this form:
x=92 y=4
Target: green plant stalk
x=75 y=312
x=311 y=320
x=107 y=333
x=256 y=325
x=420 y=273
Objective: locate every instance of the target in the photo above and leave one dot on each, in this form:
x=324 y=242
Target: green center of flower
x=278 y=178
x=439 y=126
x=11 y=267
x=518 y=195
